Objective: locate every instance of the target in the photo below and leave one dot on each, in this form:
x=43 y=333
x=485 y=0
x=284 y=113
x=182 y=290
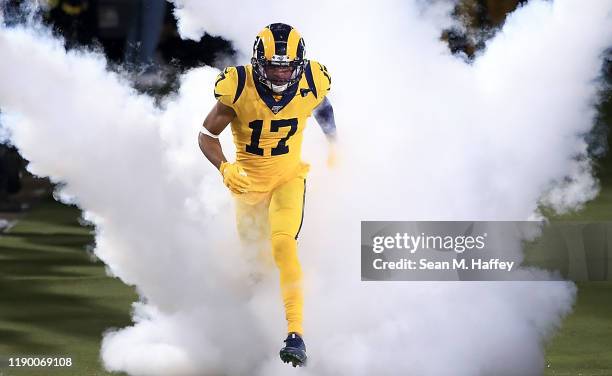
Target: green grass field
x=57 y=300
x=584 y=344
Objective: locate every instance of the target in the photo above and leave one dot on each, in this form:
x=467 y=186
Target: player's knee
x=250 y=229
x=283 y=243
x=284 y=249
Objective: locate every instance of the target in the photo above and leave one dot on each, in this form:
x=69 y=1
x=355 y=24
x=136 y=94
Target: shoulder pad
x=320 y=77
x=230 y=84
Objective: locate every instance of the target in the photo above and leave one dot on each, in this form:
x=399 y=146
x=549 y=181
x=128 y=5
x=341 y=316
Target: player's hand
x=332 y=156
x=234 y=177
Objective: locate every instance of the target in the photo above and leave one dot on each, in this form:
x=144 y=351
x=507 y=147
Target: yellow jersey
x=268 y=130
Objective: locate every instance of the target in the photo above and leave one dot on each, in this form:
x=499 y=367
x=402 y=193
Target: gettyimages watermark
x=485 y=251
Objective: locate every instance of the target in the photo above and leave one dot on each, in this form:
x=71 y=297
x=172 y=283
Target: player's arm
x=324 y=113
x=217 y=120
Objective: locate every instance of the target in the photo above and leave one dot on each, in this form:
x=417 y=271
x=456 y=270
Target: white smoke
x=423 y=136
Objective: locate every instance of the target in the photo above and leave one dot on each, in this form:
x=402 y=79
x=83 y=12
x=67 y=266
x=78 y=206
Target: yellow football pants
x=278 y=215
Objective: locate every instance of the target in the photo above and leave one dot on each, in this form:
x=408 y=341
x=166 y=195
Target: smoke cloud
x=423 y=136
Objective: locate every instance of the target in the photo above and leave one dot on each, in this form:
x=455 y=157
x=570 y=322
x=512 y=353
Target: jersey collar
x=274 y=105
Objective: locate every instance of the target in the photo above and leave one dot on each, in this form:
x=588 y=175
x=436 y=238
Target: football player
x=267 y=104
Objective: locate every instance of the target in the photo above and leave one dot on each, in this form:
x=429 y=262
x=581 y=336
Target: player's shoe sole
x=296 y=357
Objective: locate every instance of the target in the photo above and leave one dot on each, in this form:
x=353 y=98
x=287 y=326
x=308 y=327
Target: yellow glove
x=234 y=177
x=332 y=156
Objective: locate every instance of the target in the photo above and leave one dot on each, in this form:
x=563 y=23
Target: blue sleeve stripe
x=241 y=80
x=310 y=79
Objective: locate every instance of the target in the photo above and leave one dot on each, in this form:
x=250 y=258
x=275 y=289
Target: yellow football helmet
x=278 y=57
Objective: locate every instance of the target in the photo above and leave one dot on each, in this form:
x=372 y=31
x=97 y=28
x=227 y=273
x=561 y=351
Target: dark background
x=105 y=25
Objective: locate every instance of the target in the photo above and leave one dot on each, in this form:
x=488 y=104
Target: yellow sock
x=284 y=249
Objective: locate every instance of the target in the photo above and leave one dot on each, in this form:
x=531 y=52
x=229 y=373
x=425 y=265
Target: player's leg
x=286 y=214
x=254 y=231
x=252 y=220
